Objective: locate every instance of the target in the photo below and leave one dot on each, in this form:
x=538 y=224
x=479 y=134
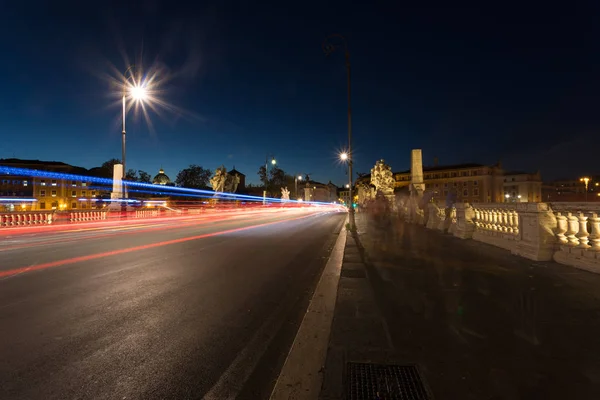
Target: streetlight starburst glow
x=344 y=156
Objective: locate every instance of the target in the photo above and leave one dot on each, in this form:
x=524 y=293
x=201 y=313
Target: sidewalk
x=477 y=322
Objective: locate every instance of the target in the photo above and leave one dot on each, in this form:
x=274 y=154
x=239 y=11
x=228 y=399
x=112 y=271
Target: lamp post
x=273 y=162
x=138 y=93
x=329 y=48
x=298 y=178
x=585 y=181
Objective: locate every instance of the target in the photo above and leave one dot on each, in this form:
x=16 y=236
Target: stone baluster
x=595 y=235
x=495 y=219
x=510 y=221
x=2 y=220
x=477 y=216
x=485 y=222
x=492 y=222
x=573 y=227
x=516 y=221
x=583 y=233
x=29 y=219
x=505 y=225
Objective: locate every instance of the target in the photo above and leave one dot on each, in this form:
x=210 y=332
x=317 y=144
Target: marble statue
x=218 y=181
x=223 y=182
x=382 y=178
x=285 y=194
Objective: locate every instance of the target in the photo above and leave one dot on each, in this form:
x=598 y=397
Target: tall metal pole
x=328 y=48
x=123 y=188
x=350 y=155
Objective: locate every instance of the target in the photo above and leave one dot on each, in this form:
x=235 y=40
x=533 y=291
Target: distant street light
x=298 y=178
x=329 y=48
x=273 y=162
x=585 y=181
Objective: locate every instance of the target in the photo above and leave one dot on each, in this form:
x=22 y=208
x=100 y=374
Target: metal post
x=350 y=155
x=123 y=189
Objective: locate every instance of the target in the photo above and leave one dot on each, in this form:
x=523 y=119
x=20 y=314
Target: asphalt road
x=201 y=307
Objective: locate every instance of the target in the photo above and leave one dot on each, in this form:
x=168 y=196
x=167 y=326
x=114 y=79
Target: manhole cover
x=353 y=273
x=380 y=381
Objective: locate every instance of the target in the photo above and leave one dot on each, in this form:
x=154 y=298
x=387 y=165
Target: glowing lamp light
x=139 y=92
x=507 y=195
x=344 y=156
x=273 y=162
x=300 y=178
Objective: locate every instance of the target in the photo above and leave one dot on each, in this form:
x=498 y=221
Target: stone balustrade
x=26 y=218
x=568 y=233
x=147 y=213
x=83 y=216
x=578 y=234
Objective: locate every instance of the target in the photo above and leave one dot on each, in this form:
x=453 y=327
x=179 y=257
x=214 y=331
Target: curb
x=301 y=376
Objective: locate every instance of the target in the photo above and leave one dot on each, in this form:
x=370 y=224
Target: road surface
x=157 y=309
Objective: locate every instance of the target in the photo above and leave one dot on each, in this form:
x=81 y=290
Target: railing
x=27 y=218
x=147 y=213
x=569 y=233
x=84 y=216
x=578 y=234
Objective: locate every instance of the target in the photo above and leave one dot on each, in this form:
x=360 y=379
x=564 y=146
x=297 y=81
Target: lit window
x=24 y=183
x=73 y=183
x=83 y=193
x=42 y=182
x=73 y=205
x=42 y=193
x=53 y=193
x=42 y=205
x=93 y=193
x=74 y=193
x=53 y=182
x=83 y=183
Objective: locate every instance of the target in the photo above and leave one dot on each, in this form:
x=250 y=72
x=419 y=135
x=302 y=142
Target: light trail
x=75 y=260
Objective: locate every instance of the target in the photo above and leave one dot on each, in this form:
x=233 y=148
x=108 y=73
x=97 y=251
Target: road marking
x=75 y=260
x=301 y=376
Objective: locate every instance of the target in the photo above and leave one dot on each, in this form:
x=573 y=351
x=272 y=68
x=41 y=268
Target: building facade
x=321 y=192
x=28 y=193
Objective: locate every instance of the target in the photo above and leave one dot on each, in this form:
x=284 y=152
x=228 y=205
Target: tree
x=131 y=175
x=277 y=176
x=107 y=168
x=262 y=175
x=194 y=177
x=144 y=177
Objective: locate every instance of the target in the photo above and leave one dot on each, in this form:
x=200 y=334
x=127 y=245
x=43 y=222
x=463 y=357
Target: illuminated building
x=45 y=193
x=571 y=190
x=161 y=178
x=316 y=191
x=472 y=183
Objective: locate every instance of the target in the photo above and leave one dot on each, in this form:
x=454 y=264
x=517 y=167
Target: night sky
x=518 y=82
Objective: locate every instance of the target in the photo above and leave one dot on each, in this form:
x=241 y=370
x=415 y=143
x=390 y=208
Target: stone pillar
x=117 y=191
x=416 y=171
x=537 y=240
x=464 y=221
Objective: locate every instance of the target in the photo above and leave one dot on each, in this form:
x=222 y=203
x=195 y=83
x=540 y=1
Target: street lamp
x=273 y=162
x=585 y=181
x=329 y=48
x=298 y=178
x=139 y=93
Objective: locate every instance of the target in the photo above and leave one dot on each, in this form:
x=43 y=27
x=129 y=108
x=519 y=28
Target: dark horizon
x=466 y=85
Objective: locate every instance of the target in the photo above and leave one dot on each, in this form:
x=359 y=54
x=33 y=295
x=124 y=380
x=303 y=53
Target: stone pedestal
x=117 y=190
x=536 y=240
x=464 y=221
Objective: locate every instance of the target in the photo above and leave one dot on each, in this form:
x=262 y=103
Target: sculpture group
x=223 y=182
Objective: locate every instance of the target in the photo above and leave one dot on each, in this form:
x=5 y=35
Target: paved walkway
x=479 y=323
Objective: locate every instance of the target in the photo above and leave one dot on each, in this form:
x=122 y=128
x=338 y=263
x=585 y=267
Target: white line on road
x=301 y=376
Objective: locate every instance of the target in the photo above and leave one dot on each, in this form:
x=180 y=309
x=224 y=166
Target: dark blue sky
x=517 y=82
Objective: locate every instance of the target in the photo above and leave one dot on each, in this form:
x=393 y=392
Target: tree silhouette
x=194 y=177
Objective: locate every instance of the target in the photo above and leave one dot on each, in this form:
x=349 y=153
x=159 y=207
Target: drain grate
x=380 y=381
